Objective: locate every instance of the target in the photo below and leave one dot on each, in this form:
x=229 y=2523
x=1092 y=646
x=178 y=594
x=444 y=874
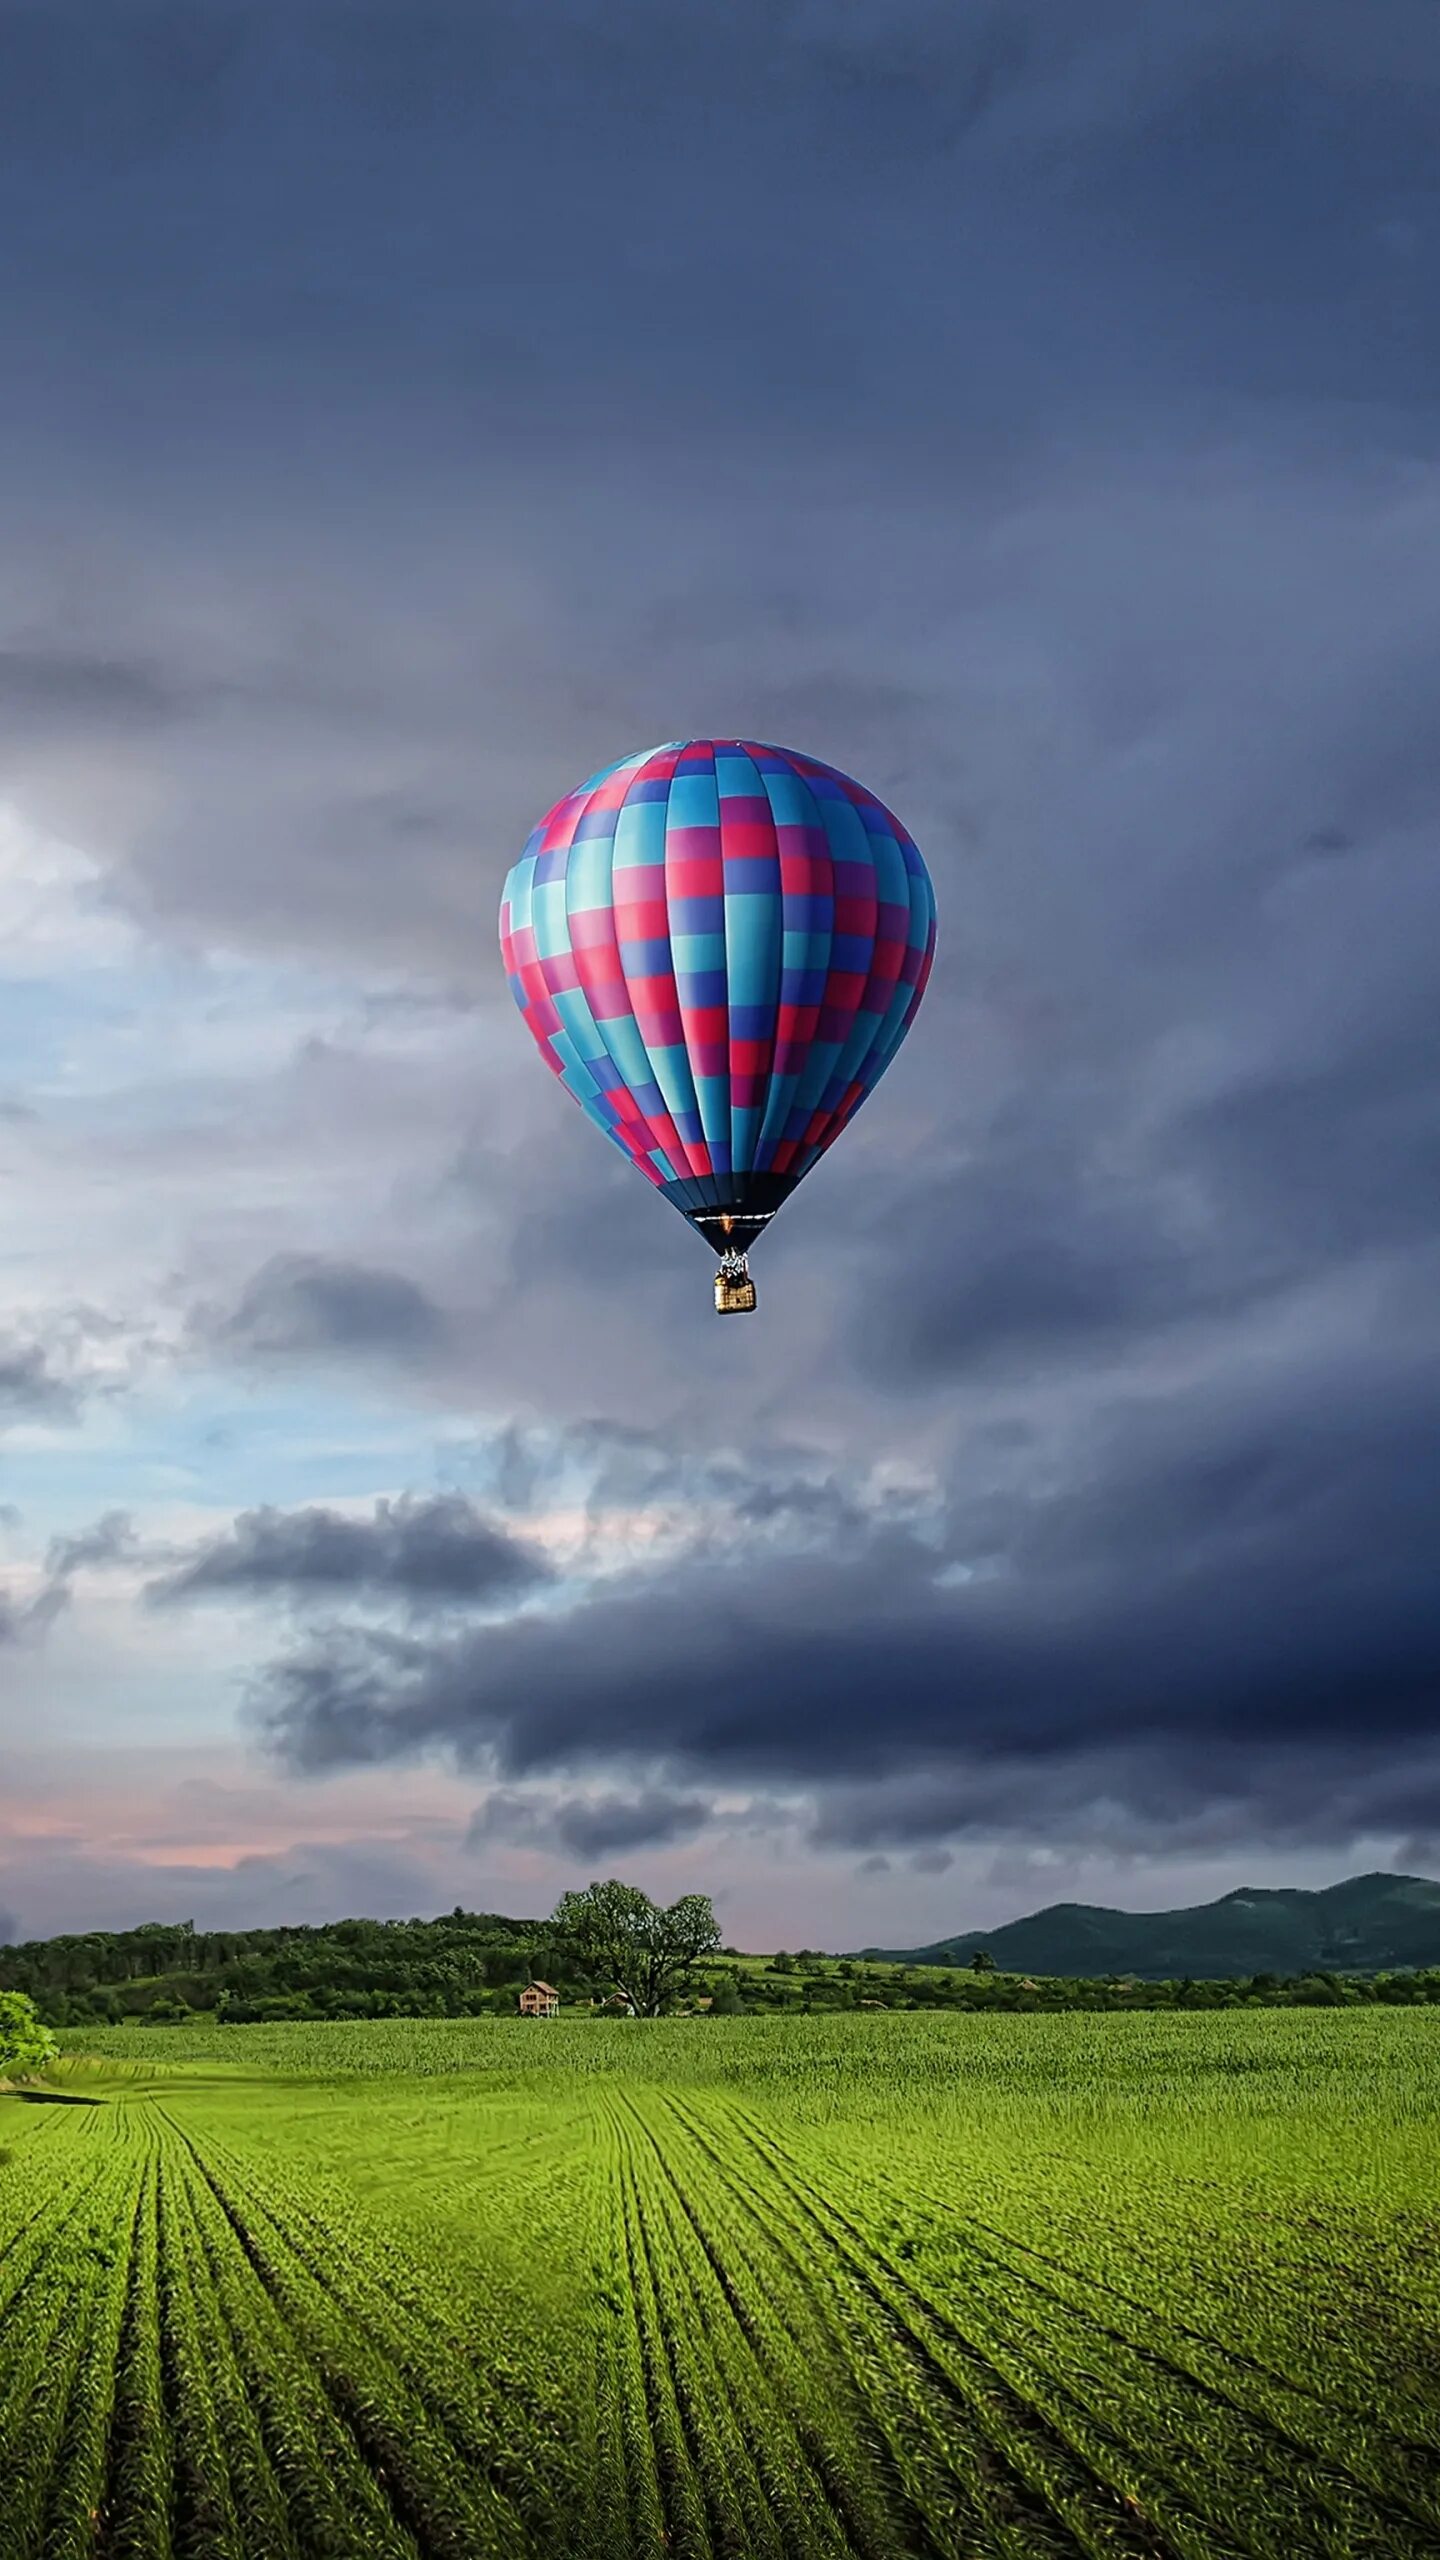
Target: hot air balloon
x=718 y=948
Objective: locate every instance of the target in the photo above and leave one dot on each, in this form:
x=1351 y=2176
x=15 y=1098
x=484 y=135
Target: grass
x=1137 y=2288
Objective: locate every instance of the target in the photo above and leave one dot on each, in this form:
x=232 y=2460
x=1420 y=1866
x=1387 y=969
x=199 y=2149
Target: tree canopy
x=643 y=1947
x=24 y=2042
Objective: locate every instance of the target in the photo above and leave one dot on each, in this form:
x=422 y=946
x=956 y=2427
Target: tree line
x=607 y=1944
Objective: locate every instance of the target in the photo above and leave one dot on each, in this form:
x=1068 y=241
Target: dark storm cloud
x=1159 y=1795
x=303 y=1304
x=589 y=1827
x=1214 y=1597
x=1099 y=1206
x=436 y=1552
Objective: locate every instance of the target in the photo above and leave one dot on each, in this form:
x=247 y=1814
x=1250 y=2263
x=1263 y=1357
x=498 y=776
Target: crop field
x=1142 y=2288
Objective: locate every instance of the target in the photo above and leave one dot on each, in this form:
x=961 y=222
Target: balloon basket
x=734 y=1288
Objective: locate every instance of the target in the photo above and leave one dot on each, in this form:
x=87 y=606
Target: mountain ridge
x=1364 y=1924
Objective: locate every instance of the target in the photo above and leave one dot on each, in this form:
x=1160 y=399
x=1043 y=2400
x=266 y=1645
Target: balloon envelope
x=718 y=947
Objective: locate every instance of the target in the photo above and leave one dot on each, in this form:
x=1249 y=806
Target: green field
x=1131 y=2286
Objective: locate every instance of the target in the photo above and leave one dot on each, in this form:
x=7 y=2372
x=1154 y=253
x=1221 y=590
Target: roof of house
x=546 y=1986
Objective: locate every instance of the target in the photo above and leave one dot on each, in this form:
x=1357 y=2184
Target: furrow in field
x=40 y=2375
x=774 y=2305
x=55 y=2274
x=1161 y=2504
x=1343 y=2496
x=876 y=2486
x=1319 y=2424
x=135 y=2509
x=947 y=2477
x=997 y=2432
x=626 y=2506
x=1221 y=2357
x=742 y=2482
x=376 y=2312
x=686 y=2520
x=448 y=2507
x=256 y=2488
x=71 y=2186
x=788 y=2507
x=1366 y=2478
x=333 y=2500
x=605 y=2514
x=1213 y=2455
x=207 y=2525
x=76 y=2487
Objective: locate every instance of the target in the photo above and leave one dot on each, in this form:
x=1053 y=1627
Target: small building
x=539 y=2000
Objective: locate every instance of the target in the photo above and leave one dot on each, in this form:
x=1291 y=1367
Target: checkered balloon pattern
x=718 y=947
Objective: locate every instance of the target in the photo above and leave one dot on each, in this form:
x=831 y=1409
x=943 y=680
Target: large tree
x=614 y=1933
x=24 y=2042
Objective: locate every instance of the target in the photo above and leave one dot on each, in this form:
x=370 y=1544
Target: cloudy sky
x=1034 y=410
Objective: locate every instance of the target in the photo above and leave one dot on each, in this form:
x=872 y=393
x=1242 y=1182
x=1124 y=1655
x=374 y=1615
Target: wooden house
x=539 y=2000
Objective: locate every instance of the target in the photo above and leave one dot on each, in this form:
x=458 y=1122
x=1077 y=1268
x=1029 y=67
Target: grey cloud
x=306 y=1304
x=593 y=1826
x=1331 y=1155
x=54 y=689
x=429 y=1552
x=1166 y=1797
x=779 y=1491
x=29 y=1385
x=29 y=1621
x=110 y=1540
x=1210 y=1587
x=106 y=1542
x=1029 y=1250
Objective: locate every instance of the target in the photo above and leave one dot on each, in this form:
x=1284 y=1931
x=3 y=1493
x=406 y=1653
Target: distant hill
x=1366 y=1925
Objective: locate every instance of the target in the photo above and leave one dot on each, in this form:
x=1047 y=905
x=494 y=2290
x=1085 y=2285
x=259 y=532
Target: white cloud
x=53 y=914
